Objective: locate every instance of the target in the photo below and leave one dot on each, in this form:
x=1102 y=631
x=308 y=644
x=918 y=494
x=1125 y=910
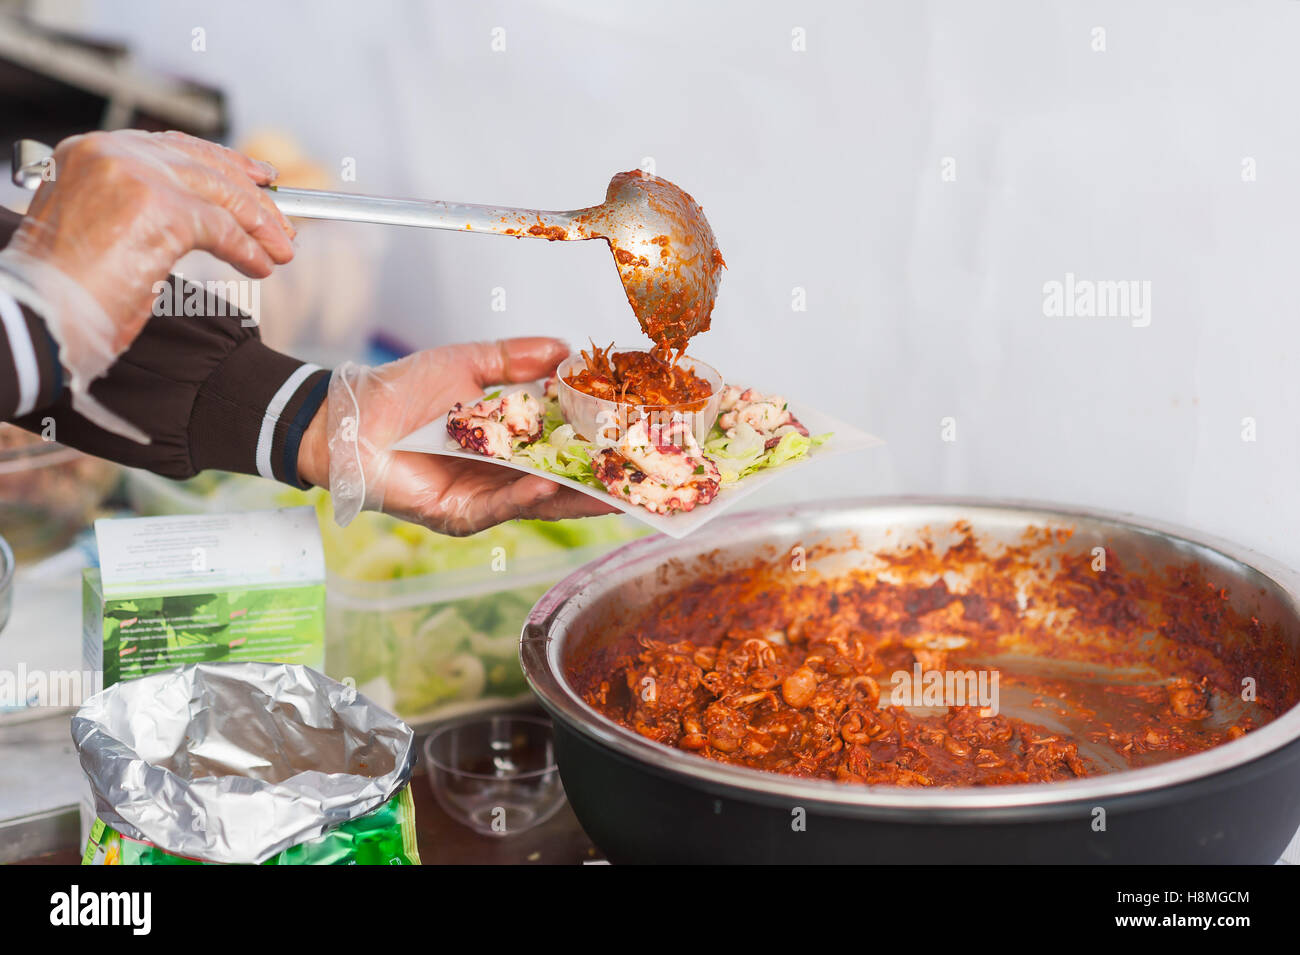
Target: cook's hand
x=120 y=209
x=346 y=446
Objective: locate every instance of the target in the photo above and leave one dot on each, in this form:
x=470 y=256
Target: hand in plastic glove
x=346 y=446
x=120 y=209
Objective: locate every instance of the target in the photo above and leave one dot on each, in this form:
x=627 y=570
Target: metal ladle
x=663 y=247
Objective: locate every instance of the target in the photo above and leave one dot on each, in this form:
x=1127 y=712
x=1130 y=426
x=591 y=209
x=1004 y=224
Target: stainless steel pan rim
x=540 y=654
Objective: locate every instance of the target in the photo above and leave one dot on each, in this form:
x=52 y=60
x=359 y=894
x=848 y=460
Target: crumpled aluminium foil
x=236 y=762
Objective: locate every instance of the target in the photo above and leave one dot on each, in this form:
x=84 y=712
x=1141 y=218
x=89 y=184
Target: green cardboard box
x=189 y=589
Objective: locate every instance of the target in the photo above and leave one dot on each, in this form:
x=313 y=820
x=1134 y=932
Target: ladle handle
x=31 y=160
x=421 y=213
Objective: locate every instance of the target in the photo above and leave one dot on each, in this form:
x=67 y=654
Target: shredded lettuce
x=744 y=453
x=560 y=451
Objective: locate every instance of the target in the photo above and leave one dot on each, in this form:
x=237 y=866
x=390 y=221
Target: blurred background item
x=48 y=493
x=56 y=83
x=322 y=307
x=955 y=163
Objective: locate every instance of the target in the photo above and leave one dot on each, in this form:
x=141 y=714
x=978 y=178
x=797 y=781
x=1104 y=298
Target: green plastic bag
x=385 y=836
x=245 y=763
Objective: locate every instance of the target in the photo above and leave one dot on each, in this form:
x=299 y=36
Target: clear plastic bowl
x=603 y=422
x=495 y=774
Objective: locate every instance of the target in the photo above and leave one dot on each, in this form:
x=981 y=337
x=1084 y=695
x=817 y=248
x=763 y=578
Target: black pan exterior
x=636 y=815
x=641 y=802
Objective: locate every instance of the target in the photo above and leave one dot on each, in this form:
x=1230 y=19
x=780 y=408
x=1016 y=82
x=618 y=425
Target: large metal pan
x=644 y=802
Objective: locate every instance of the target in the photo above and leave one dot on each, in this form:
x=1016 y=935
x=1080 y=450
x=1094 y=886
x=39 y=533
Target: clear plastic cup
x=495 y=774
x=603 y=422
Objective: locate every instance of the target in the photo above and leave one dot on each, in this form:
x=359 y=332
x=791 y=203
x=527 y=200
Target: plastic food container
x=47 y=492
x=442 y=645
x=428 y=646
x=212 y=492
x=603 y=422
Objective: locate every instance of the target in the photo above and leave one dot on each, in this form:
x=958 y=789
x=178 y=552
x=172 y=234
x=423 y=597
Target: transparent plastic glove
x=368 y=409
x=117 y=212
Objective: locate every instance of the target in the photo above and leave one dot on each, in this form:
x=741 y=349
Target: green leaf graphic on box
x=137 y=607
x=141 y=634
x=188 y=605
x=188 y=621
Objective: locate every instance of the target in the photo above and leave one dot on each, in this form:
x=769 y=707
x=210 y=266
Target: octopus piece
x=659 y=467
x=481 y=434
x=522 y=414
x=492 y=426
x=769 y=415
x=1190 y=700
x=551 y=387
x=798 y=688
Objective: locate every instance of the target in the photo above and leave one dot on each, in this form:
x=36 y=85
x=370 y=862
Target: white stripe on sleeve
x=20 y=345
x=266 y=437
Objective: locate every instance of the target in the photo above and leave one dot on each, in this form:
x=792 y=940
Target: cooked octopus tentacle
x=495 y=426
x=660 y=467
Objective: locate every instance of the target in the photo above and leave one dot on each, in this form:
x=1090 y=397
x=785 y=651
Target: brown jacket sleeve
x=30 y=376
x=204 y=387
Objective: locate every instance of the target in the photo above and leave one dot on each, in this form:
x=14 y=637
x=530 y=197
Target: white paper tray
x=434 y=439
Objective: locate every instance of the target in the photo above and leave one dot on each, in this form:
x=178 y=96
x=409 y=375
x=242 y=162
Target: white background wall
x=821 y=169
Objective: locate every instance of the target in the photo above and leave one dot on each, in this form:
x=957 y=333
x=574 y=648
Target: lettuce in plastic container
x=376 y=547
x=413 y=660
x=420 y=620
x=423 y=646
